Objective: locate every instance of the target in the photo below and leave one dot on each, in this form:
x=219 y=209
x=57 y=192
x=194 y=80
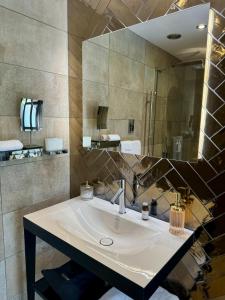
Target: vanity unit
x=133 y=255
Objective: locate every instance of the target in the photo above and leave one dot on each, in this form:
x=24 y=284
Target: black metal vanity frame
x=31 y=231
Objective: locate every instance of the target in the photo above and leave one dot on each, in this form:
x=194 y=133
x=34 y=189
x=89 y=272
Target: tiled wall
x=33 y=63
x=90 y=18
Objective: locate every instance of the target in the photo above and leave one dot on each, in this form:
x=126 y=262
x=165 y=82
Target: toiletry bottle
x=188 y=203
x=177 y=216
x=99 y=187
x=145 y=211
x=86 y=191
x=153 y=209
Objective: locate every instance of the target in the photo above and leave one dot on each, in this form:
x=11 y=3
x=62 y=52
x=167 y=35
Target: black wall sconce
x=102 y=117
x=31 y=114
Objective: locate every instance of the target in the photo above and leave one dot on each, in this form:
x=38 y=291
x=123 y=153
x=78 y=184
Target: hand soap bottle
x=177 y=216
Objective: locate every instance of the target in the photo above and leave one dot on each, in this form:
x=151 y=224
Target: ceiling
x=191 y=46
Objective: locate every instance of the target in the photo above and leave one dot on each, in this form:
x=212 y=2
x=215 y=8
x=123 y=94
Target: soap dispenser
x=177 y=216
x=86 y=191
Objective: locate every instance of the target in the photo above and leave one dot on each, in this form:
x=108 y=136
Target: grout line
x=215 y=218
x=218 y=12
x=217 y=132
x=210 y=140
x=215 y=66
x=219 y=195
x=207 y=161
x=191 y=187
x=213 y=116
x=34 y=19
x=34 y=69
x=205 y=182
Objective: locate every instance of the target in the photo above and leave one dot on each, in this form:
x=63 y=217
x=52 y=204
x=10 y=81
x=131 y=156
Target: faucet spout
x=120 y=194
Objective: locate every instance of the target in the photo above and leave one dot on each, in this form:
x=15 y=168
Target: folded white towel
x=131 y=147
x=113 y=137
x=10 y=145
x=160 y=293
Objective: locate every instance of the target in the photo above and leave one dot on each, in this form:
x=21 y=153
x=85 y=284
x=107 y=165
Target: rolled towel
x=113 y=137
x=131 y=147
x=160 y=293
x=10 y=145
x=104 y=137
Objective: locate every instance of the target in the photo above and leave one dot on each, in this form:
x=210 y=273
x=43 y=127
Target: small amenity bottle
x=86 y=191
x=145 y=211
x=177 y=216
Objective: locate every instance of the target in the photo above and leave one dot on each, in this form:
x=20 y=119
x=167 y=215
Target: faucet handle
x=116 y=196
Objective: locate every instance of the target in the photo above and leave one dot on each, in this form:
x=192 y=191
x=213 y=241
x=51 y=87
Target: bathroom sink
x=98 y=223
x=136 y=249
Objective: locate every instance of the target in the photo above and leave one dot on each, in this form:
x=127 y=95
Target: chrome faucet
x=121 y=196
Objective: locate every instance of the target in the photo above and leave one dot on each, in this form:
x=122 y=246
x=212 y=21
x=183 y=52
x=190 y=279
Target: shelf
x=45 y=291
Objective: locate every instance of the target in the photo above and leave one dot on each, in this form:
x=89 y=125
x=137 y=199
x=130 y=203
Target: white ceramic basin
x=137 y=249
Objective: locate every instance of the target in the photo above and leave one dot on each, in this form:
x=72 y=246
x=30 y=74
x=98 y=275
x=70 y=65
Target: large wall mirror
x=143 y=86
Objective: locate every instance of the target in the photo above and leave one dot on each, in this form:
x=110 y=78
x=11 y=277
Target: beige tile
x=1 y=240
x=125 y=104
x=10 y=129
x=126 y=73
x=157 y=58
x=94 y=94
x=162 y=84
x=2 y=281
x=90 y=128
x=136 y=49
x=52 y=127
x=13 y=224
x=101 y=40
x=161 y=108
x=95 y=62
x=30 y=183
x=119 y=41
x=129 y=44
x=15 y=275
x=121 y=127
x=18 y=82
x=46 y=257
x=52 y=12
x=29 y=43
x=149 y=84
x=13 y=232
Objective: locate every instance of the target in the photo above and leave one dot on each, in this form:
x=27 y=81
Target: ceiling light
x=201 y=26
x=174 y=36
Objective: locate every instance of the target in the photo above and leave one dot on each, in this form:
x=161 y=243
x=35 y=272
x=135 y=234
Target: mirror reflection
x=143 y=85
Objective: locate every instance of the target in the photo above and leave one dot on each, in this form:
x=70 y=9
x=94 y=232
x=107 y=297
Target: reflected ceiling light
x=201 y=26
x=174 y=36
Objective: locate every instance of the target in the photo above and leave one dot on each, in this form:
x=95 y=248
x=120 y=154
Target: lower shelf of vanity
x=44 y=290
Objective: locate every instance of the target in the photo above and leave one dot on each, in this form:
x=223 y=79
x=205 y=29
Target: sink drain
x=106 y=242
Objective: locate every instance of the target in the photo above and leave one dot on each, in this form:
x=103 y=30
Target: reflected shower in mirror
x=150 y=78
